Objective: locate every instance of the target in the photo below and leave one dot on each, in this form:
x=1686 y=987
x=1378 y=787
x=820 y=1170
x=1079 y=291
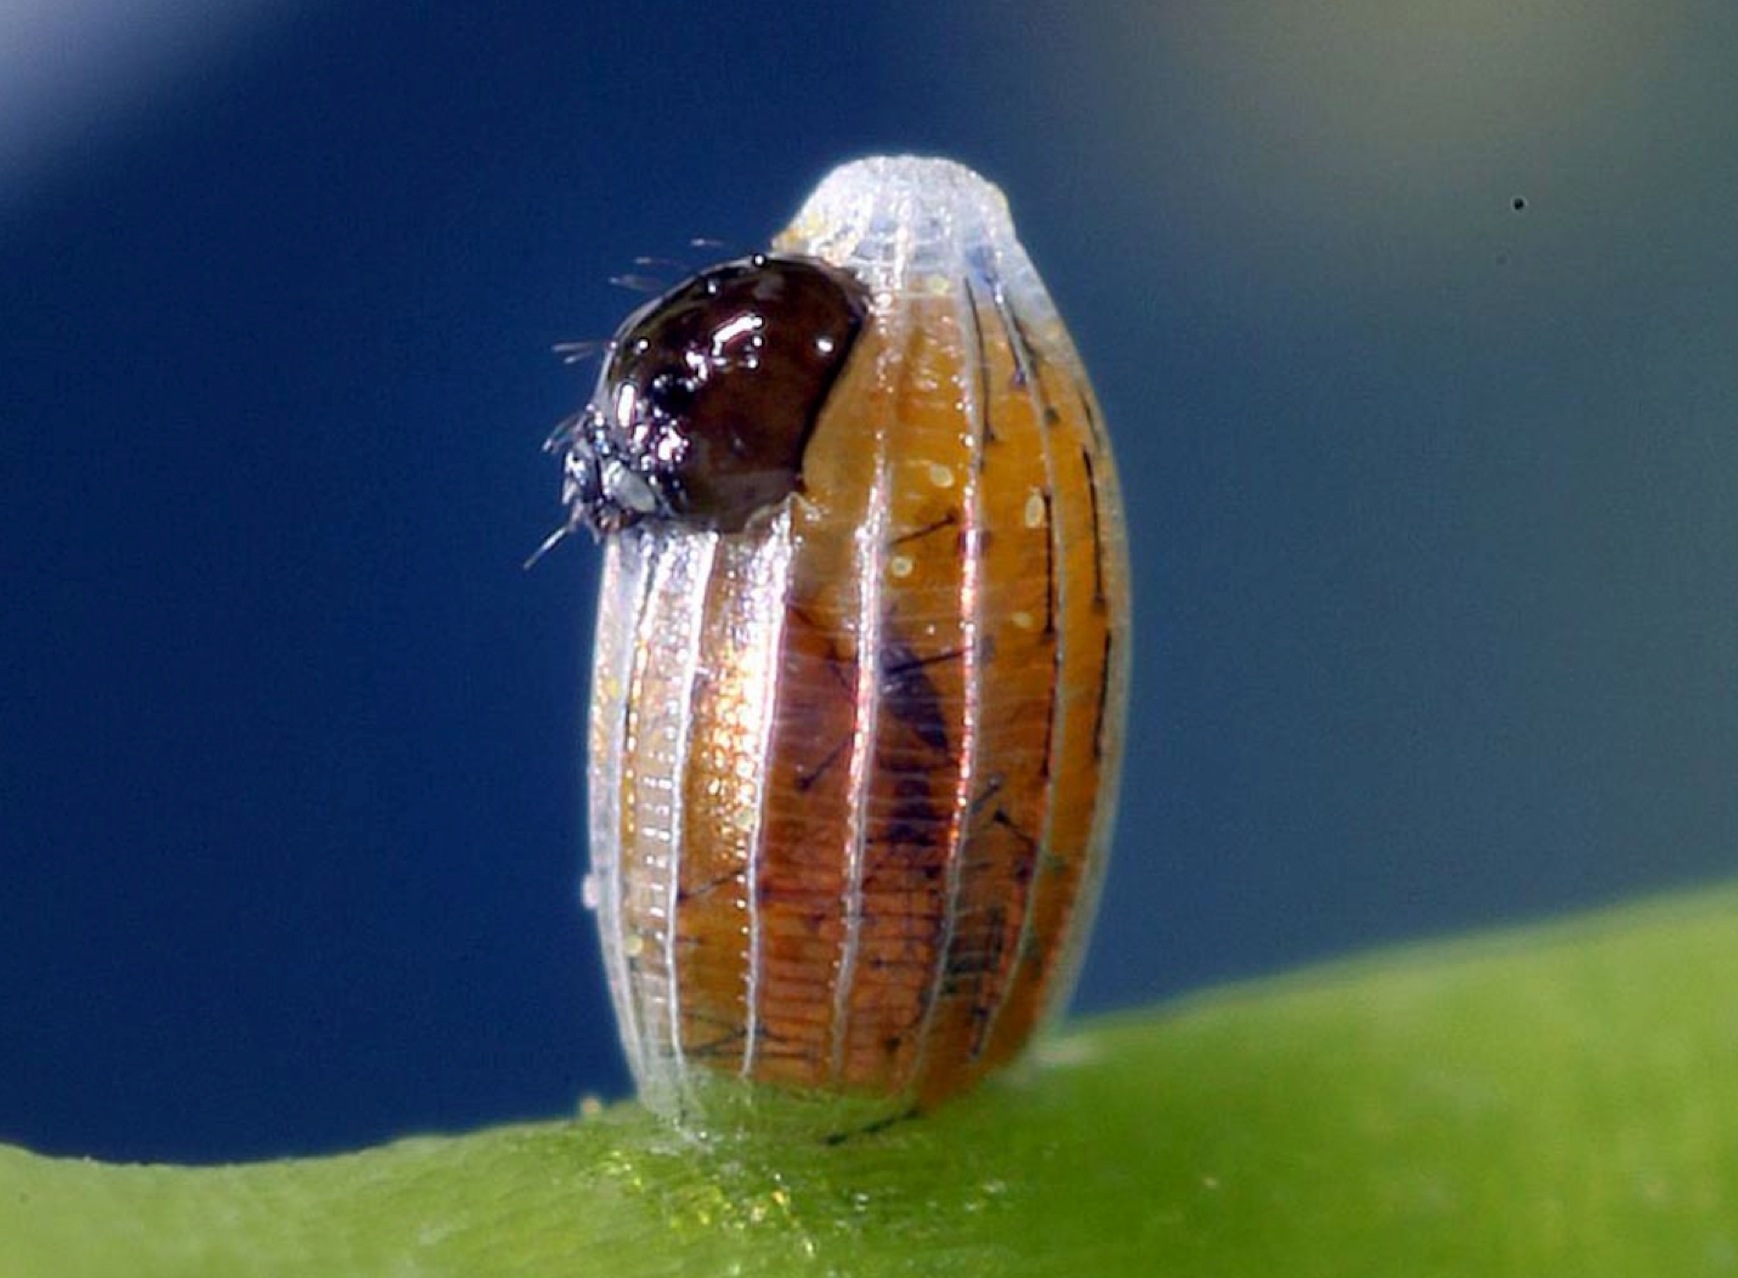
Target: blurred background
x=1414 y=321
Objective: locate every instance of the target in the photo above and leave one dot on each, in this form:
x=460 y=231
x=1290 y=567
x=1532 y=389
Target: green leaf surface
x=1557 y=1100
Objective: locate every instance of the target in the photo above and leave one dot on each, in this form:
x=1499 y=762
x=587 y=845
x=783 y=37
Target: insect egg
x=860 y=662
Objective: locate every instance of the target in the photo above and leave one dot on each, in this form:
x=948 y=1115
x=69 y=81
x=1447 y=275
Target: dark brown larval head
x=709 y=394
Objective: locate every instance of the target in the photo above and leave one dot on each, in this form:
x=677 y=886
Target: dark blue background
x=1432 y=500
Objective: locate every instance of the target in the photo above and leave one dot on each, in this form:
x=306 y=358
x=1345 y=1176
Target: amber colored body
x=859 y=759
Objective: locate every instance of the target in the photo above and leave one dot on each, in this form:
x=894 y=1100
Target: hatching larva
x=861 y=659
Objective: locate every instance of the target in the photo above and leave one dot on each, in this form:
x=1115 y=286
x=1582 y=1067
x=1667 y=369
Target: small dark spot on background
x=1519 y=203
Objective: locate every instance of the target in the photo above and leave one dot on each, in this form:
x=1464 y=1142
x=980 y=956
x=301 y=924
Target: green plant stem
x=1557 y=1100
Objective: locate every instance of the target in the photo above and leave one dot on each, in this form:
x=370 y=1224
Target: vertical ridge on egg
x=854 y=764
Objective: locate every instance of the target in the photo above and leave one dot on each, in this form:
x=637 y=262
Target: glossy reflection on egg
x=860 y=663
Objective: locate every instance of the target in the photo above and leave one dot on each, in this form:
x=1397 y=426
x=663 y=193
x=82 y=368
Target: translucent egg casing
x=854 y=764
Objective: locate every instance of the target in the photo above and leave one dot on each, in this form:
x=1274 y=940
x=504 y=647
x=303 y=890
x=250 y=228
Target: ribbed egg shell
x=853 y=767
